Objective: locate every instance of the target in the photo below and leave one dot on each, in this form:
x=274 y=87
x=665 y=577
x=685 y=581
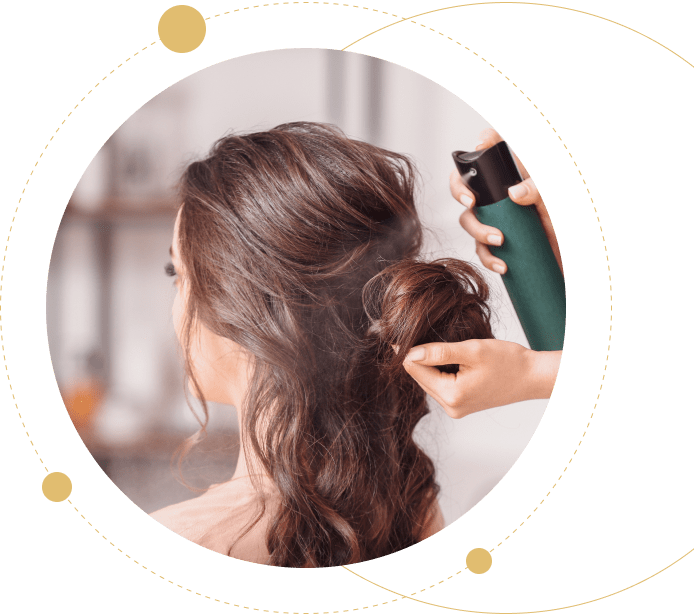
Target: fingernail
x=466 y=200
x=498 y=268
x=494 y=240
x=518 y=191
x=416 y=354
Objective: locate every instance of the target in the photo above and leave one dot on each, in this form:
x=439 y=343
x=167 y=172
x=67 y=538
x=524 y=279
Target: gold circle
x=56 y=487
x=479 y=560
x=182 y=28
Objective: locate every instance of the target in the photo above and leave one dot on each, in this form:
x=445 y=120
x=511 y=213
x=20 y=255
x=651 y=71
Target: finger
x=447 y=389
x=424 y=387
x=431 y=354
x=488 y=137
x=482 y=233
x=525 y=193
x=430 y=379
x=441 y=387
x=460 y=191
x=489 y=260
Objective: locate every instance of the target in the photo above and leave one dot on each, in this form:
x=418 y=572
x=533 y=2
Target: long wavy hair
x=301 y=245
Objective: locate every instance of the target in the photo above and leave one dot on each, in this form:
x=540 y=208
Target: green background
x=623 y=509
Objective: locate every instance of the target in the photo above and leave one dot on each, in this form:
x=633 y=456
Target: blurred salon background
x=110 y=331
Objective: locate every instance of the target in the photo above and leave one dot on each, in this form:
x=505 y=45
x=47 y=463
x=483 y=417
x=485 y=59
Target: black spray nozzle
x=488 y=173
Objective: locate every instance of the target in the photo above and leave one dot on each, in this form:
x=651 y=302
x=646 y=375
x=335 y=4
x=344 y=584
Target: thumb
x=442 y=353
x=525 y=193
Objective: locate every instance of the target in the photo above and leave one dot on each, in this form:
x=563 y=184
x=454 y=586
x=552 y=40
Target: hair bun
x=414 y=302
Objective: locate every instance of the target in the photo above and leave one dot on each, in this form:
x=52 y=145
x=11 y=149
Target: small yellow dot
x=479 y=560
x=182 y=28
x=56 y=487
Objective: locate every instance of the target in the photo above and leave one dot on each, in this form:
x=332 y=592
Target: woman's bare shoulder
x=217 y=520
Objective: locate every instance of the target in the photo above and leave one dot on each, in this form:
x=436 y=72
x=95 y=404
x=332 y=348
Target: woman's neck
x=241 y=469
x=247 y=463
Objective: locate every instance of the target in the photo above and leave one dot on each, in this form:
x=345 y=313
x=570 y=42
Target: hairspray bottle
x=533 y=279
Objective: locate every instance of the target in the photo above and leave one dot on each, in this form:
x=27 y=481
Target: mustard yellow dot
x=56 y=487
x=479 y=560
x=182 y=28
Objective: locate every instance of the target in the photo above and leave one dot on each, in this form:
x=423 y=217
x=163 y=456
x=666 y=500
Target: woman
x=299 y=295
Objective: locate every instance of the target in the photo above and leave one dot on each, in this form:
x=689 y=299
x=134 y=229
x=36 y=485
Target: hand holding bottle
x=525 y=193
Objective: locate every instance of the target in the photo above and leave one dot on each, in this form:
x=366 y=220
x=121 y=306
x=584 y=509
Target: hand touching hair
x=413 y=302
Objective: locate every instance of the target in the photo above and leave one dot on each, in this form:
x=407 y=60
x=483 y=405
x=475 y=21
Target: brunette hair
x=301 y=245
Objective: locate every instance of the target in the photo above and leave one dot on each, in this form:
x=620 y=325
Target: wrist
x=542 y=373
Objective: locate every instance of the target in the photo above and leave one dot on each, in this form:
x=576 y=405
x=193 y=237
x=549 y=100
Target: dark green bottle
x=533 y=279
